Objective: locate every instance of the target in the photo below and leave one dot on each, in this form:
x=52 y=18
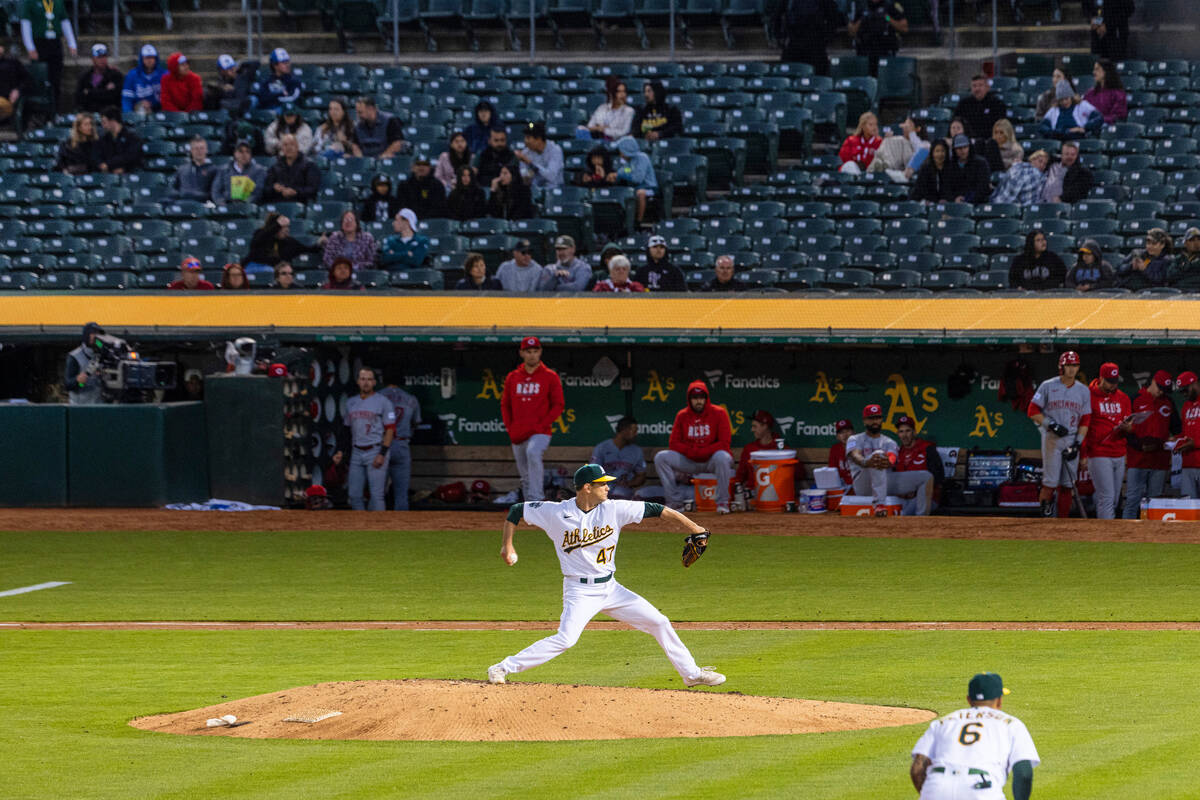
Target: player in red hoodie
x=182 y=89
x=532 y=400
x=1146 y=461
x=1104 y=447
x=1189 y=443
x=699 y=442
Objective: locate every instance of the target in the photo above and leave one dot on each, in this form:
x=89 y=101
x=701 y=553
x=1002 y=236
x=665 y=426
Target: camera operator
x=81 y=375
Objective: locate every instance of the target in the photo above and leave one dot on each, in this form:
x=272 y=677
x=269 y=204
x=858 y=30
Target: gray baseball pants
x=1140 y=483
x=1107 y=475
x=363 y=474
x=667 y=462
x=1189 y=482
x=400 y=470
x=879 y=483
x=529 y=464
x=1053 y=462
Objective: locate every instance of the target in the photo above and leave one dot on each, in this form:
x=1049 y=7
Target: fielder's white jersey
x=867 y=444
x=981 y=738
x=1063 y=405
x=586 y=543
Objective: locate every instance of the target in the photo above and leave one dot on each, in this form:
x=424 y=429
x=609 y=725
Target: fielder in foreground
x=585 y=530
x=968 y=754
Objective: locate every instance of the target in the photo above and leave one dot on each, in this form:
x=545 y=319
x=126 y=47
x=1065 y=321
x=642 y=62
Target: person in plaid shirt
x=1024 y=181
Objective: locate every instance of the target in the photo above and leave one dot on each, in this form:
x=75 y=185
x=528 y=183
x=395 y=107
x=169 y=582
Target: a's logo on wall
x=659 y=388
x=986 y=423
x=826 y=391
x=901 y=397
x=560 y=425
x=490 y=388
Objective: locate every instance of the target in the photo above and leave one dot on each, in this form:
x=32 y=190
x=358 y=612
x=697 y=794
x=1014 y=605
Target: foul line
x=34 y=588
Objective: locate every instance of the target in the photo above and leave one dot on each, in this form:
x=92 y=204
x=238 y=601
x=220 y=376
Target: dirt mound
x=473 y=711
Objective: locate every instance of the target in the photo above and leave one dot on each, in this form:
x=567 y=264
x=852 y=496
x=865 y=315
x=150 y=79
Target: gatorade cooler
x=853 y=505
x=833 y=498
x=705 y=484
x=1171 y=509
x=774 y=479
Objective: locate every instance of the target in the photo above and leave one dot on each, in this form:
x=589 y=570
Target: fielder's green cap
x=986 y=686
x=591 y=473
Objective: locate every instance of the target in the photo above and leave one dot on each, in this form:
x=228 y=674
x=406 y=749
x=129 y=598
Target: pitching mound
x=474 y=711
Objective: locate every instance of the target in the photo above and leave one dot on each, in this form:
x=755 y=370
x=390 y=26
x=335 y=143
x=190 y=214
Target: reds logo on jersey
x=527 y=388
x=1191 y=413
x=1113 y=409
x=699 y=431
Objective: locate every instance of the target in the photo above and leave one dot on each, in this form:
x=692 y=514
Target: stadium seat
x=416 y=279
x=952 y=226
x=946 y=279
x=848 y=278
x=897 y=279
x=801 y=278
x=811 y=226
x=967 y=262
x=18 y=281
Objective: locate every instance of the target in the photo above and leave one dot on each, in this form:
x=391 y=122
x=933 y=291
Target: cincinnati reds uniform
x=699 y=443
x=879 y=483
x=919 y=459
x=623 y=463
x=1105 y=444
x=1147 y=464
x=972 y=751
x=586 y=545
x=1069 y=406
x=530 y=403
x=368 y=419
x=1189 y=484
x=408 y=416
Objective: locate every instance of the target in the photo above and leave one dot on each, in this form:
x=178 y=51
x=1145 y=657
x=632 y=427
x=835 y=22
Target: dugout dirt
x=475 y=711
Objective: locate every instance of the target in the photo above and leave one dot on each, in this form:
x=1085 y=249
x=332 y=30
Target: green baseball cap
x=591 y=473
x=986 y=686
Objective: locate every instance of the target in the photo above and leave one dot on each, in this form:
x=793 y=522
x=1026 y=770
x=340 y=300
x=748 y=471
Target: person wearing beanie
x=341 y=276
x=1184 y=272
x=181 y=89
x=1148 y=266
x=82 y=381
x=656 y=119
x=1091 y=271
x=1147 y=461
x=142 y=91
x=100 y=85
x=1070 y=118
x=967 y=178
x=1104 y=445
x=658 y=274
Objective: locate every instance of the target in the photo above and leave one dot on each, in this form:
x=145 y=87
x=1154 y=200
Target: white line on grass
x=34 y=588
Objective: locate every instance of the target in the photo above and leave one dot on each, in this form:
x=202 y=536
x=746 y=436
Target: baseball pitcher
x=1062 y=409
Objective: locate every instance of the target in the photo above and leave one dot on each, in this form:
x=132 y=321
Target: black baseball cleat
x=1048 y=509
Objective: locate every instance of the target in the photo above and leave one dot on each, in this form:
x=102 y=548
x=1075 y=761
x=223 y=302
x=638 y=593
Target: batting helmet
x=1069 y=357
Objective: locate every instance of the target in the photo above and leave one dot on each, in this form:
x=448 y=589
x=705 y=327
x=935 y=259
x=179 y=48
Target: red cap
x=530 y=342
x=842 y=424
x=1186 y=379
x=906 y=420
x=1069 y=357
x=1110 y=371
x=764 y=417
x=872 y=410
x=277 y=371
x=1163 y=379
x=481 y=487
x=316 y=490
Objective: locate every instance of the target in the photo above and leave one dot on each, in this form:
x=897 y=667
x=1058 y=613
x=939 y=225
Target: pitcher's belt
x=956 y=771
x=603 y=579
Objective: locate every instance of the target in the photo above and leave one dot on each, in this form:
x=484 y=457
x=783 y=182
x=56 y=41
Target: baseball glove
x=694 y=546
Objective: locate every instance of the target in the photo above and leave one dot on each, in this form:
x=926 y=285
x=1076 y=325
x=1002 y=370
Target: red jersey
x=1109 y=409
x=698 y=436
x=179 y=284
x=837 y=460
x=531 y=401
x=1156 y=426
x=913 y=458
x=1191 y=429
x=180 y=92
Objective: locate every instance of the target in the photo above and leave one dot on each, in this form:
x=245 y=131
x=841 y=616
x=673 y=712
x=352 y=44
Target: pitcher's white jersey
x=981 y=738
x=586 y=543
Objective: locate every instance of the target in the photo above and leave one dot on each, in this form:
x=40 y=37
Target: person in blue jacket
x=404 y=249
x=282 y=87
x=636 y=170
x=143 y=83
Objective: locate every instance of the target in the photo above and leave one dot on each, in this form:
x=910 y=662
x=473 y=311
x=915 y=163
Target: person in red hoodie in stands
x=532 y=400
x=1104 y=447
x=1189 y=443
x=1147 y=462
x=837 y=453
x=700 y=439
x=181 y=89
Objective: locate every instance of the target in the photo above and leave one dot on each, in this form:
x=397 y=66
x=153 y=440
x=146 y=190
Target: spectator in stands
x=1091 y=271
x=142 y=90
x=1002 y=150
x=377 y=134
x=79 y=153
x=612 y=119
x=479 y=132
x=241 y=180
x=467 y=200
x=288 y=121
x=1036 y=267
x=901 y=156
x=224 y=90
x=875 y=31
x=931 y=184
x=967 y=176
x=494 y=156
x=1109 y=21
x=282 y=86
x=858 y=151
x=1046 y=100
x=722 y=280
x=273 y=243
x=618 y=277
x=636 y=170
x=570 y=272
x=700 y=442
x=1184 y=272
x=1147 y=462
x=1068 y=181
x=190 y=276
x=341 y=276
x=334 y=137
x=120 y=147
x=1071 y=118
x=181 y=89
x=1024 y=183
x=521 y=273
x=510 y=197
x=380 y=204
x=1108 y=93
x=14 y=81
x=608 y=252
x=405 y=248
x=475 y=277
x=541 y=160
x=99 y=86
x=194 y=178
x=457 y=155
x=285 y=276
x=233 y=276
x=806 y=28
x=596 y=169
x=980 y=109
x=1149 y=266
x=656 y=119
x=422 y=192
x=622 y=458
x=659 y=274
x=921 y=466
x=352 y=242
x=843 y=429
x=292 y=176
x=41 y=23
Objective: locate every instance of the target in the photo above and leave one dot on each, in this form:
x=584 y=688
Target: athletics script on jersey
x=582 y=537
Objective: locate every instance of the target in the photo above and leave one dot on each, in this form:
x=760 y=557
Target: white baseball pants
x=529 y=464
x=1107 y=476
x=879 y=483
x=958 y=785
x=667 y=462
x=581 y=602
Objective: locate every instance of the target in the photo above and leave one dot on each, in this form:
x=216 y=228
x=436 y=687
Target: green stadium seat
x=18 y=281
x=897 y=279
x=112 y=280
x=958 y=243
x=952 y=226
x=847 y=66
x=848 y=278
x=898 y=80
x=946 y=279
x=828 y=260
x=801 y=278
x=905 y=226
x=967 y=262
x=417 y=279
x=1034 y=64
